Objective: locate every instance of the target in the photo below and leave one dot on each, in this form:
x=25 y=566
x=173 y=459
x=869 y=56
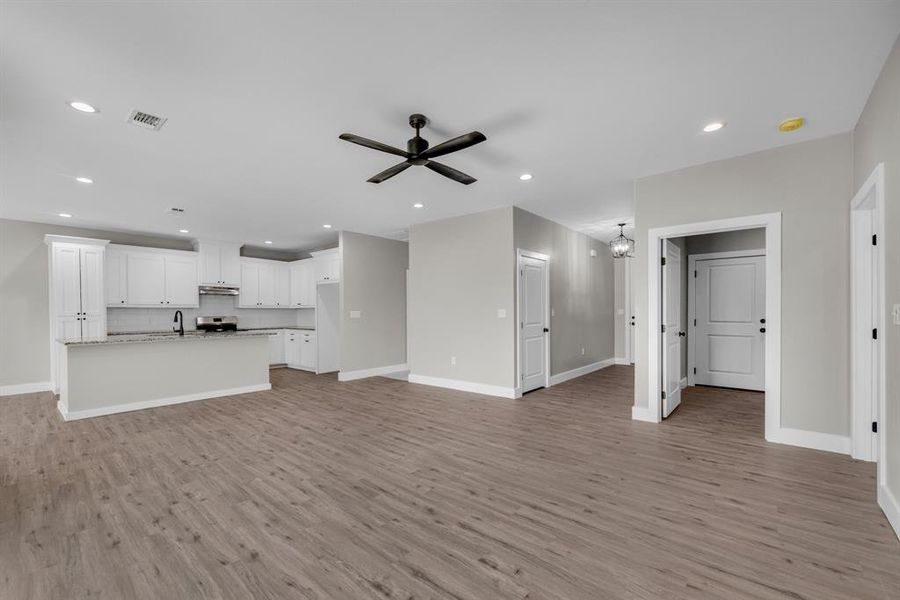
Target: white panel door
x=182 y=281
x=267 y=286
x=671 y=318
x=249 y=292
x=730 y=331
x=282 y=286
x=532 y=322
x=146 y=284
x=67 y=282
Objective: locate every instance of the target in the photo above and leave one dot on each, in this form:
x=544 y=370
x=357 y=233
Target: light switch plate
x=355 y=314
x=896 y=313
x=501 y=313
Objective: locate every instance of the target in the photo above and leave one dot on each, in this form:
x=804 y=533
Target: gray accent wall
x=876 y=139
x=582 y=290
x=373 y=282
x=461 y=271
x=810 y=183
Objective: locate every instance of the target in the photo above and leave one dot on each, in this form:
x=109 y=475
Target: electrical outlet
x=582 y=351
x=896 y=313
x=452 y=361
x=355 y=314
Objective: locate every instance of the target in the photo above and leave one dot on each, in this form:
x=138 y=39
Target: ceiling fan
x=418 y=153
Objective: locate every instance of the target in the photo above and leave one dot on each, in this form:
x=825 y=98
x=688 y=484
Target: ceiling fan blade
x=450 y=172
x=457 y=143
x=349 y=137
x=388 y=173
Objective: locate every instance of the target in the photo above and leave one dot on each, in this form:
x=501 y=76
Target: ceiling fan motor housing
x=417 y=144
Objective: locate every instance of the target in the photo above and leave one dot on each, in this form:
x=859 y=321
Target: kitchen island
x=124 y=372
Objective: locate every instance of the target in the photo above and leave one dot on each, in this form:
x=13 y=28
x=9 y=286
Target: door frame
x=522 y=253
x=628 y=327
x=692 y=296
x=867 y=312
x=772 y=224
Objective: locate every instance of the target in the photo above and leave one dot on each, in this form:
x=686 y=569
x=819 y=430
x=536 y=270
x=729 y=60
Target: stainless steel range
x=212 y=324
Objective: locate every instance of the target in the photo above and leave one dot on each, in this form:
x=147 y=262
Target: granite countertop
x=166 y=336
x=295 y=327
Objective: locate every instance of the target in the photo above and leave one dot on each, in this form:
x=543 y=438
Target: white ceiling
x=586 y=96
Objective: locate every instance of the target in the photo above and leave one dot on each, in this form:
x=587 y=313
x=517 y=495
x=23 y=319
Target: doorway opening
x=867 y=308
x=533 y=310
x=666 y=324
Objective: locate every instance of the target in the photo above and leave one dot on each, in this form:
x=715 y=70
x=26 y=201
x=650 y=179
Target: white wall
x=461 y=271
x=373 y=282
x=876 y=139
x=810 y=184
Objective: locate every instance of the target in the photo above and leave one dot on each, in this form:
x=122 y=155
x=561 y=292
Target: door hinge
x=875 y=334
x=663 y=261
x=695 y=273
x=663 y=395
x=874 y=239
x=695 y=322
x=695 y=370
x=874 y=426
x=663 y=328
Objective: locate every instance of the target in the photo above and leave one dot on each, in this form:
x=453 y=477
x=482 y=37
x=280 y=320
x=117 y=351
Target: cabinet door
x=182 y=281
x=327 y=266
x=92 y=289
x=210 y=263
x=296 y=272
x=267 y=286
x=146 y=275
x=249 y=294
x=276 y=348
x=309 y=286
x=68 y=328
x=67 y=281
x=292 y=349
x=282 y=287
x=230 y=263
x=93 y=328
x=114 y=278
x=308 y=352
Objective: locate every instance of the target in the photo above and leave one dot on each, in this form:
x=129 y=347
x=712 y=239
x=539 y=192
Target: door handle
x=762 y=329
x=681 y=334
x=546 y=330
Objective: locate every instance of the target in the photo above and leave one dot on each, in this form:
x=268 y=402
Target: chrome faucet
x=179 y=318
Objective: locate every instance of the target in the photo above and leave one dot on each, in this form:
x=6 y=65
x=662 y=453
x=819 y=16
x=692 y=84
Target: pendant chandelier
x=622 y=247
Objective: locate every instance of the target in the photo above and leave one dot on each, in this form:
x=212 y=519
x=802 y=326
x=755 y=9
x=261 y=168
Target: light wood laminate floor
x=383 y=489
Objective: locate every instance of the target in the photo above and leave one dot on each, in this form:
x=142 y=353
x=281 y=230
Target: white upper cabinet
x=267 y=286
x=78 y=306
x=93 y=303
x=303 y=283
x=249 y=293
x=282 y=286
x=328 y=265
x=264 y=284
x=147 y=277
x=220 y=262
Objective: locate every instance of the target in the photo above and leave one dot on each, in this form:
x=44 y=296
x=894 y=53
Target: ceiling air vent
x=146 y=120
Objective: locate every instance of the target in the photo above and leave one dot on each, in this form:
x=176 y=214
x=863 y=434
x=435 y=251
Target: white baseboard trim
x=891 y=508
x=466 y=386
x=815 y=440
x=572 y=374
x=120 y=408
x=684 y=382
x=373 y=372
x=25 y=388
x=641 y=413
x=621 y=361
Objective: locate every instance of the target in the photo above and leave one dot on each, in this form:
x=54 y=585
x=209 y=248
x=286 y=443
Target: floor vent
x=146 y=120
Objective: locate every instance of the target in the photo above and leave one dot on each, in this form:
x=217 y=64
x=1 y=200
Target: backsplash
x=120 y=320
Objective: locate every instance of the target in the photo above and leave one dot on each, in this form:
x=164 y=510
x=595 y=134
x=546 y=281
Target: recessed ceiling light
x=84 y=180
x=525 y=176
x=82 y=106
x=65 y=215
x=791 y=124
x=326 y=226
x=183 y=231
x=714 y=126
x=418 y=205
x=268 y=242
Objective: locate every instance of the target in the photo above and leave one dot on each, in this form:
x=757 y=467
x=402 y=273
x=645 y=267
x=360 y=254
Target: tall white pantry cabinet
x=77 y=304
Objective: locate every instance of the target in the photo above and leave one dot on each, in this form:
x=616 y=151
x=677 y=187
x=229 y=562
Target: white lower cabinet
x=300 y=349
x=276 y=347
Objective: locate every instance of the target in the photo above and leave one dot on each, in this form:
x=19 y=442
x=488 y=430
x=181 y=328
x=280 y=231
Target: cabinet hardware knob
x=762 y=329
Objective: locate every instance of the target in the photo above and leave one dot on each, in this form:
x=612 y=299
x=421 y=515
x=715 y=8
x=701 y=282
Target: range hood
x=219 y=290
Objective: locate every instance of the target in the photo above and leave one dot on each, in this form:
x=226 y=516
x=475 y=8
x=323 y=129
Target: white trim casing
x=120 y=408
x=25 y=388
x=467 y=386
x=684 y=382
x=639 y=413
x=621 y=361
x=772 y=224
x=373 y=372
x=538 y=256
x=692 y=298
x=890 y=507
x=578 y=372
